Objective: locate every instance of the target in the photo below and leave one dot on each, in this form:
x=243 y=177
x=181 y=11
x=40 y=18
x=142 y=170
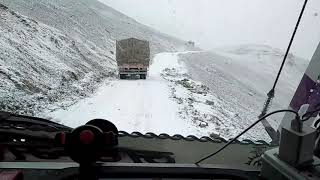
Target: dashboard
x=159 y=171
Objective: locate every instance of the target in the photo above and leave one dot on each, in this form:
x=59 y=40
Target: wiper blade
x=16 y=130
x=21 y=122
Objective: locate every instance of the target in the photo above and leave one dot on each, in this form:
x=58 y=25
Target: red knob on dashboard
x=86 y=137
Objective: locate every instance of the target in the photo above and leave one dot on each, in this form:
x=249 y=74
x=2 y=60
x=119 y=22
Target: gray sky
x=218 y=23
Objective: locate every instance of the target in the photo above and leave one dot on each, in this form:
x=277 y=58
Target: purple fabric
x=308 y=92
x=314 y=98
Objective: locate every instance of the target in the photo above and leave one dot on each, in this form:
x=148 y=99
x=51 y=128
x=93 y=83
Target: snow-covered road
x=133 y=105
x=168 y=101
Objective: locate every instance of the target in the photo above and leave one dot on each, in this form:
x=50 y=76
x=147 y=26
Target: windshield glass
x=179 y=67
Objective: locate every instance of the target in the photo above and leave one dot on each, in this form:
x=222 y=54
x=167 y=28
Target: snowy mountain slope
x=91 y=20
x=241 y=76
x=258 y=65
x=61 y=51
x=40 y=65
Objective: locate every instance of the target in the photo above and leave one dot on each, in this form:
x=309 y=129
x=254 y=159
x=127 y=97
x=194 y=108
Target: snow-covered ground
x=133 y=105
x=167 y=102
x=194 y=93
x=55 y=54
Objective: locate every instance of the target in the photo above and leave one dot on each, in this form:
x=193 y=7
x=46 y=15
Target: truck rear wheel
x=142 y=76
x=122 y=76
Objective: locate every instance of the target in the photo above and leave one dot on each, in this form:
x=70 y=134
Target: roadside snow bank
x=205 y=111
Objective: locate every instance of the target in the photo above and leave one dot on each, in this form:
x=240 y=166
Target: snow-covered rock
x=205 y=111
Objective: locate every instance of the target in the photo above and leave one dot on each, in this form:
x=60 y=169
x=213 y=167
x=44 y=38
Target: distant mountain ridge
x=264 y=50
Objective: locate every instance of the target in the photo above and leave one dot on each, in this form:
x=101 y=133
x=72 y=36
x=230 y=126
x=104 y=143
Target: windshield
x=178 y=67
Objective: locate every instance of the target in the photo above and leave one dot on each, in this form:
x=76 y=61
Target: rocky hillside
x=52 y=53
x=91 y=20
x=41 y=64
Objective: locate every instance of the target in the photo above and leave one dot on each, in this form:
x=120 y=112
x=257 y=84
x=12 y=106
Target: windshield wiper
x=10 y=120
x=19 y=130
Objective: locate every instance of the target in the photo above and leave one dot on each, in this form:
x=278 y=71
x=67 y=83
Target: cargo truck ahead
x=133 y=57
